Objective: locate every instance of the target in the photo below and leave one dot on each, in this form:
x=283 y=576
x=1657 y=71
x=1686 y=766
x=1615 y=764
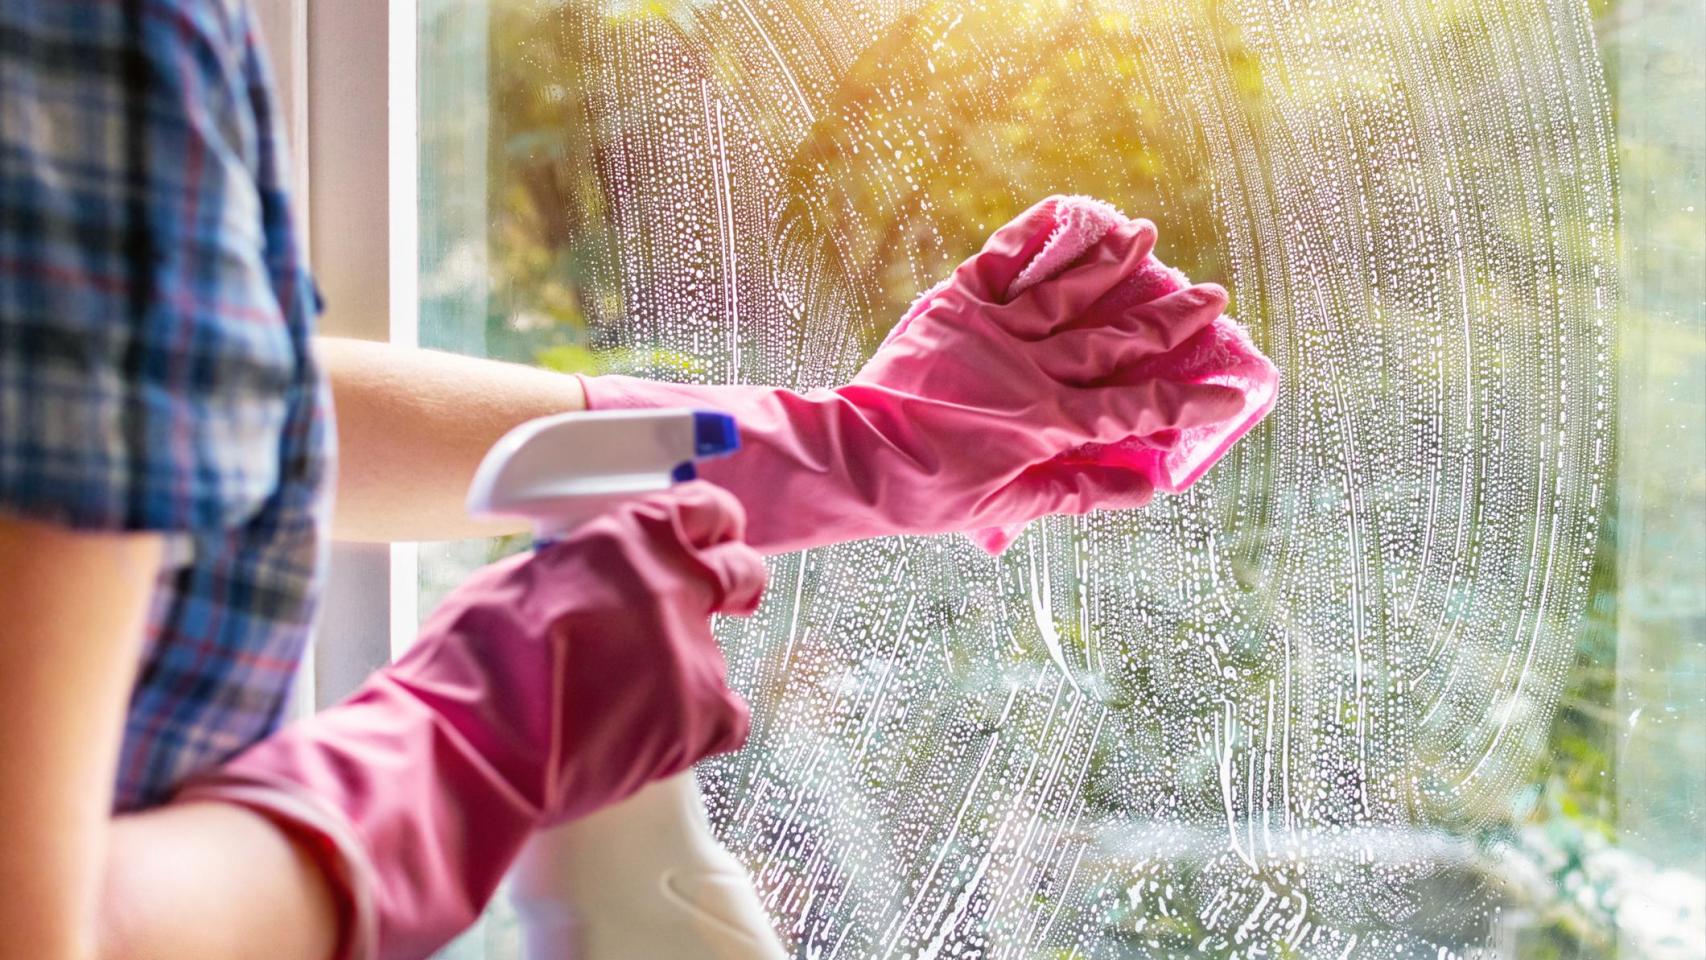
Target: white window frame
x=346 y=75
x=403 y=251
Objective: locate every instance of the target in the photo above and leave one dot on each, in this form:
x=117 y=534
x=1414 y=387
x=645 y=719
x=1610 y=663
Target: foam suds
x=1272 y=713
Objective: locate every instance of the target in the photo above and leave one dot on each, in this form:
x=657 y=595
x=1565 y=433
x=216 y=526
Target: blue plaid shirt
x=155 y=372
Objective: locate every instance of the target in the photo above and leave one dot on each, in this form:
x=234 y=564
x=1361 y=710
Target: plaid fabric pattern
x=155 y=366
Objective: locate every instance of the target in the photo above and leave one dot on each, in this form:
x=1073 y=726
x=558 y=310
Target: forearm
x=796 y=472
x=413 y=426
x=211 y=881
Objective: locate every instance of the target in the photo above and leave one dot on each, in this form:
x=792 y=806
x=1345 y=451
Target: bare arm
x=71 y=616
x=79 y=885
x=255 y=893
x=412 y=427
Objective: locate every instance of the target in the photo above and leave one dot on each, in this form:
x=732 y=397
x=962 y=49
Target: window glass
x=1416 y=671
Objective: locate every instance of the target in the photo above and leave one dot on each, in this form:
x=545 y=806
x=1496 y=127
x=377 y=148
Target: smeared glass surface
x=1305 y=709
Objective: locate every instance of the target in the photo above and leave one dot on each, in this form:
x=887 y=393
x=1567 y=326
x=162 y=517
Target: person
x=166 y=480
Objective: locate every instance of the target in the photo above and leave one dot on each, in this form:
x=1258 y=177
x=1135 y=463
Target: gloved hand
x=1220 y=353
x=545 y=687
x=956 y=422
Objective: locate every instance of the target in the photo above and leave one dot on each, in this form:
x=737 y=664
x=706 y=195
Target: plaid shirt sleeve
x=145 y=366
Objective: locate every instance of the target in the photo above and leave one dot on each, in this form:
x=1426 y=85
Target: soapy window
x=1414 y=672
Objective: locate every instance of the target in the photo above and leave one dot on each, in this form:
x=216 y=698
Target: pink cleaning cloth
x=1221 y=353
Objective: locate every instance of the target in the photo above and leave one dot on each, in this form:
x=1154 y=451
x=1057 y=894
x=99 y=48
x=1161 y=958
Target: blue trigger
x=714 y=434
x=684 y=473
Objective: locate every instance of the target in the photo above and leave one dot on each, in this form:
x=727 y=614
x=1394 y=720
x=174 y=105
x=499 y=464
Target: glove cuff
x=617 y=392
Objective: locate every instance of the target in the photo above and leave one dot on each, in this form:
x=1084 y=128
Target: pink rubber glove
x=545 y=687
x=956 y=422
x=1221 y=353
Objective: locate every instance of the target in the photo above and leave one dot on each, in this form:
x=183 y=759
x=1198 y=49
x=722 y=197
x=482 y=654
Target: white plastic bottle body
x=644 y=879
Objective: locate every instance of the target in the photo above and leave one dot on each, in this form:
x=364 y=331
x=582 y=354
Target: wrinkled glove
x=957 y=421
x=545 y=687
x=1220 y=353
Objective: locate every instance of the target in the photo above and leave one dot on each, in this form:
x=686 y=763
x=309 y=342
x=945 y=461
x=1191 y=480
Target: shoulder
x=147 y=357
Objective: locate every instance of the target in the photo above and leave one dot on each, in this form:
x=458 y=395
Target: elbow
x=106 y=947
x=113 y=932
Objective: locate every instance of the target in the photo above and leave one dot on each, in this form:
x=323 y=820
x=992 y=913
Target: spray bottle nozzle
x=558 y=471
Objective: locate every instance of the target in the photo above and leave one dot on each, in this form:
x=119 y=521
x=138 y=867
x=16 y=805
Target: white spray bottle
x=644 y=879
